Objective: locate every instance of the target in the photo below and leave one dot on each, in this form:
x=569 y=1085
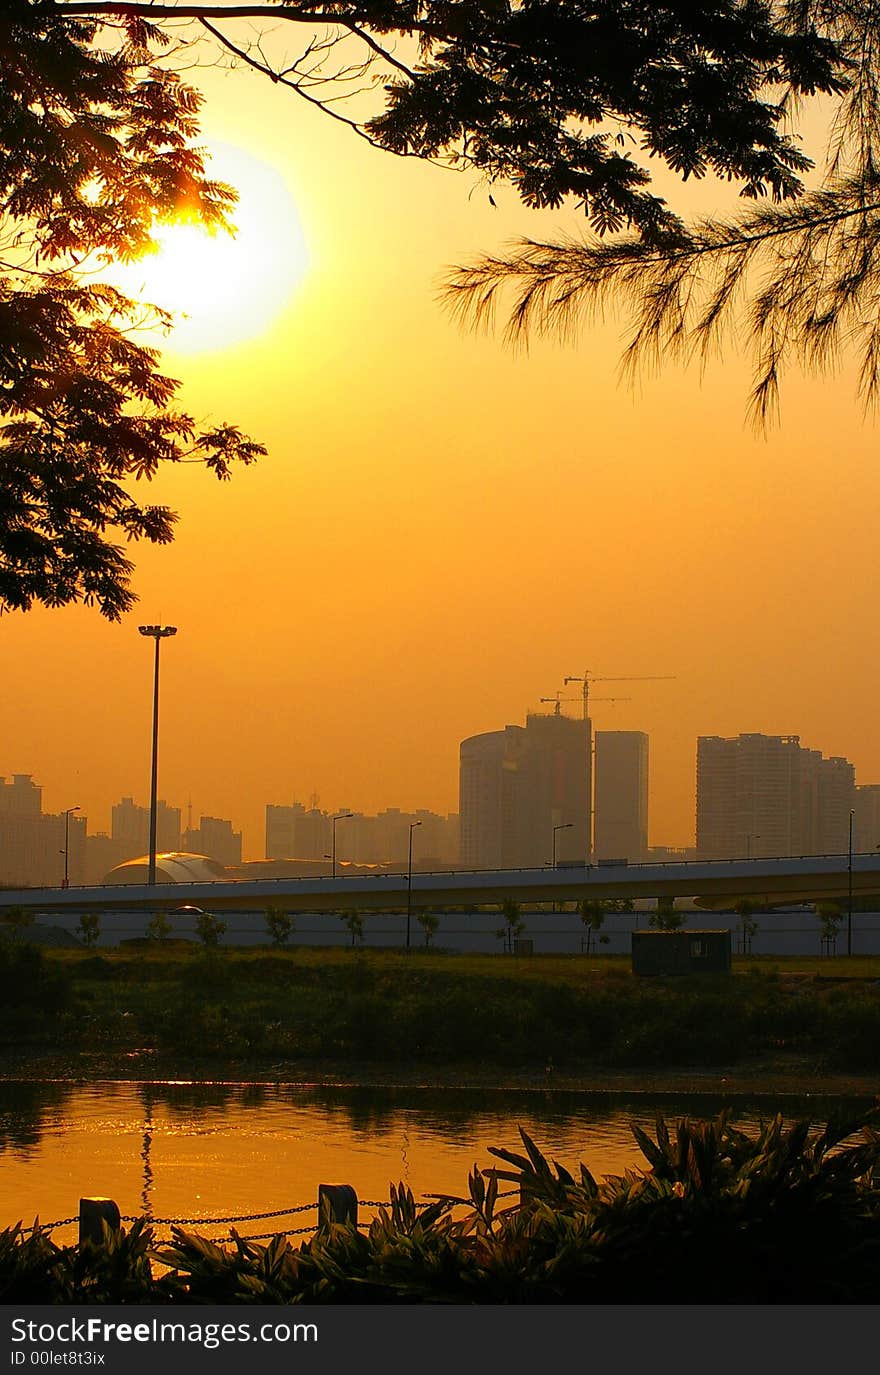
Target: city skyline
x=255 y=846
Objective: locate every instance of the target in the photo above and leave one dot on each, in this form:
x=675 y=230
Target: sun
x=222 y=288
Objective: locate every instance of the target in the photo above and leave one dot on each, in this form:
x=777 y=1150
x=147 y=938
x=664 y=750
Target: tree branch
x=335 y=13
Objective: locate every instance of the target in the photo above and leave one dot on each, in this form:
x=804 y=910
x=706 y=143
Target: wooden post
x=337 y=1203
x=92 y=1212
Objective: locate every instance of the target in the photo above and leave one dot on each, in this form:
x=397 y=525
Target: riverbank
x=789 y=1078
x=363 y=1017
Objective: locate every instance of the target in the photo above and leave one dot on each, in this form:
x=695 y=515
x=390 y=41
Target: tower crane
x=559 y=699
x=587 y=678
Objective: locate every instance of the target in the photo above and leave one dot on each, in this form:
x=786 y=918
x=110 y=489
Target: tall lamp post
x=849 y=887
x=157 y=633
x=567 y=827
x=562 y=827
x=343 y=816
x=412 y=827
x=65 y=882
x=749 y=840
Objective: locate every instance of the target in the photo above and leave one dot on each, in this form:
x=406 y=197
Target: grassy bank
x=341 y=1006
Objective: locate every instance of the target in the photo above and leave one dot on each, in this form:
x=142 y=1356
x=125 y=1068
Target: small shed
x=681 y=952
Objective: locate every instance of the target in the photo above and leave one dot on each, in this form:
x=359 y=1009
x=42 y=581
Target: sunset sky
x=443 y=528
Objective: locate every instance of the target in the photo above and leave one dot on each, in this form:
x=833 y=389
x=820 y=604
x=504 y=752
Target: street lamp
x=343 y=816
x=849 y=887
x=566 y=827
x=65 y=883
x=157 y=633
x=412 y=827
x=749 y=840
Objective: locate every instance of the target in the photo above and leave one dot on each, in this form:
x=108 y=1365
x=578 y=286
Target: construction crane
x=559 y=699
x=587 y=678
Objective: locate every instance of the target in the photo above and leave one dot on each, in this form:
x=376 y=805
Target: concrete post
x=92 y=1212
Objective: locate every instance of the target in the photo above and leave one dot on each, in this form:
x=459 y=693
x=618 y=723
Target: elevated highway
x=715 y=883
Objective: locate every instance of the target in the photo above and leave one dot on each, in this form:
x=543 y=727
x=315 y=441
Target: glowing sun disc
x=223 y=290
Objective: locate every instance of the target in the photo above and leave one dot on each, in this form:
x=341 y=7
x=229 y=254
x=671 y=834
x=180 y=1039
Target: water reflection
x=202 y=1150
x=25 y=1110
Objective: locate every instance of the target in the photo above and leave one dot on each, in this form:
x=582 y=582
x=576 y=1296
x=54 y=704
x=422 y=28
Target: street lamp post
x=157 y=633
x=566 y=827
x=412 y=827
x=849 y=899
x=65 y=883
x=749 y=840
x=343 y=816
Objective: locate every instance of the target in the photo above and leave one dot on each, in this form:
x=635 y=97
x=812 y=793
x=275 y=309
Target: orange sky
x=444 y=529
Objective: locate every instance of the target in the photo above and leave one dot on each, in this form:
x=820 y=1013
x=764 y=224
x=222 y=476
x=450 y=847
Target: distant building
x=295 y=832
x=520 y=786
x=766 y=795
x=215 y=838
x=130 y=827
x=866 y=823
x=621 y=798
x=32 y=842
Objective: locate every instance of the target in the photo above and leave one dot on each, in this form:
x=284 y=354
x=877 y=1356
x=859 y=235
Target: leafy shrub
x=26 y=979
x=209 y=929
x=784 y=1215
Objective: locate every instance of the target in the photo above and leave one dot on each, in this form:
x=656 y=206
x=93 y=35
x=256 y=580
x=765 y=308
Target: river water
x=202 y=1151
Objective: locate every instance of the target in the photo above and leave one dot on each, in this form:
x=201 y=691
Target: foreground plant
x=785 y=1215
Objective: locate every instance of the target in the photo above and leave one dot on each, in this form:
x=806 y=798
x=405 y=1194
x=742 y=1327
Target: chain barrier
x=216 y=1221
x=47 y=1226
x=251 y=1217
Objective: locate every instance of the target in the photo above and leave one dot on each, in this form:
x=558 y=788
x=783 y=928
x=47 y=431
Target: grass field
x=575 y=1013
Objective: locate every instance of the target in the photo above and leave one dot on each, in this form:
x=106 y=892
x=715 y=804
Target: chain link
x=47 y=1226
x=250 y=1217
x=216 y=1221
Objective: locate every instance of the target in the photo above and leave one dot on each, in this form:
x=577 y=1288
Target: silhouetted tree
x=17 y=918
x=98 y=144
x=354 y=924
x=96 y=148
x=209 y=929
x=665 y=917
x=513 y=924
x=830 y=917
x=745 y=909
x=429 y=923
x=89 y=928
x=796 y=276
x=280 y=925
x=159 y=927
x=592 y=912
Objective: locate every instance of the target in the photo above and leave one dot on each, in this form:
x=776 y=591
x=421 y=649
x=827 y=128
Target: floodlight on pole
x=412 y=827
x=157 y=633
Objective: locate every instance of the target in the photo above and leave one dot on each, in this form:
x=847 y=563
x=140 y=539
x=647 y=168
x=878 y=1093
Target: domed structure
x=172 y=867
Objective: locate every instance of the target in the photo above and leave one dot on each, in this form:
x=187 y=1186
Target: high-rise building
x=215 y=838
x=765 y=795
x=866 y=823
x=621 y=798
x=130 y=828
x=32 y=843
x=521 y=786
